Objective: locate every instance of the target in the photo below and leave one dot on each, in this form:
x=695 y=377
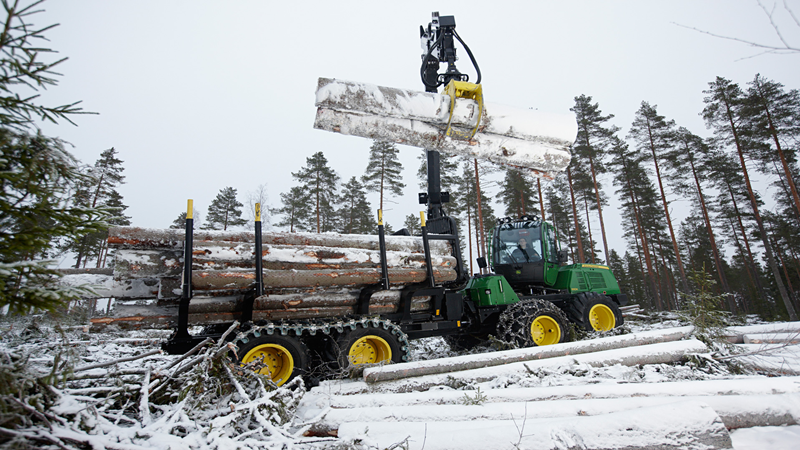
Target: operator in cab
x=523 y=254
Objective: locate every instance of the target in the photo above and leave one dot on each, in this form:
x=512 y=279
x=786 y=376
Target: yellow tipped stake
x=259 y=254
x=382 y=248
x=182 y=332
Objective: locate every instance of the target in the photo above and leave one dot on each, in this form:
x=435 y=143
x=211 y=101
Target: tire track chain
x=514 y=325
x=325 y=327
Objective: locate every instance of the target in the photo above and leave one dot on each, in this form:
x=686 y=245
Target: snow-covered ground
x=708 y=398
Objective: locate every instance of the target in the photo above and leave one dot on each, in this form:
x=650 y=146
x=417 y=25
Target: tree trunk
x=648 y=261
x=754 y=205
x=589 y=229
x=717 y=260
x=774 y=133
x=599 y=211
x=684 y=282
x=575 y=217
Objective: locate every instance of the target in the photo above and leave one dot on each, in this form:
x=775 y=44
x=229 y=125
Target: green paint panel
x=490 y=291
x=587 y=278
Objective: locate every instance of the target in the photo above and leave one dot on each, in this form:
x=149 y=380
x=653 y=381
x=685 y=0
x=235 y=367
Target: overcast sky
x=200 y=95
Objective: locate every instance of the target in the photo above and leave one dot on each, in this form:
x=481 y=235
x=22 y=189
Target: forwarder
x=296 y=321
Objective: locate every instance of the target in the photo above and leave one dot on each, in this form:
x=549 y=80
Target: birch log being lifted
x=505 y=135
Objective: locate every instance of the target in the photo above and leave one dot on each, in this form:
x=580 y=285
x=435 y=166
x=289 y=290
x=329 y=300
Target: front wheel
x=595 y=312
x=533 y=322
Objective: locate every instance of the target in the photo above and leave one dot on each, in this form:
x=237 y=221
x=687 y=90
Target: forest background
x=190 y=129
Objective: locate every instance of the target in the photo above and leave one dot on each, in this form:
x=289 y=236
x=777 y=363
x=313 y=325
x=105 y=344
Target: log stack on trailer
x=305 y=275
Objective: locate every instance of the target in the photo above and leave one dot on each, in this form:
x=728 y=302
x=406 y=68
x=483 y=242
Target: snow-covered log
x=506 y=135
x=773 y=359
x=213 y=280
x=215 y=310
x=735 y=335
x=141 y=263
x=736 y=411
x=690 y=425
x=338 y=395
x=443 y=365
x=662 y=353
x=155 y=238
x=772 y=338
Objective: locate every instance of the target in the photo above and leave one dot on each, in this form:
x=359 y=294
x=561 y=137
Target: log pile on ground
x=463 y=402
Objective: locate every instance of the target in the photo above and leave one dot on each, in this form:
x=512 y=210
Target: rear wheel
x=369 y=344
x=282 y=357
x=533 y=322
x=593 y=311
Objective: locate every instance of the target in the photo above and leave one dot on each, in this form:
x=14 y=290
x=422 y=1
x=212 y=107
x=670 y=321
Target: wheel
x=593 y=311
x=284 y=357
x=369 y=343
x=533 y=322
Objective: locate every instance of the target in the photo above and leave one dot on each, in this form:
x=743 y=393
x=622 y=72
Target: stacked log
x=305 y=275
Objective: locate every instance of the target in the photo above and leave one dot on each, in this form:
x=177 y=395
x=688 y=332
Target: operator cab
x=525 y=252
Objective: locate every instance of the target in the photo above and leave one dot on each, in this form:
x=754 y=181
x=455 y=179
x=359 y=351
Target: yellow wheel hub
x=278 y=360
x=369 y=349
x=602 y=318
x=545 y=331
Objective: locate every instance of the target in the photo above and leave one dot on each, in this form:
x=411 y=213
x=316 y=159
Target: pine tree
x=37 y=175
x=384 y=170
x=224 y=211
x=641 y=222
x=412 y=224
x=690 y=152
x=296 y=210
x=516 y=193
x=104 y=177
x=771 y=116
x=591 y=144
x=722 y=113
x=180 y=222
x=655 y=135
x=479 y=210
x=320 y=183
x=113 y=203
x=560 y=213
x=355 y=213
x=725 y=175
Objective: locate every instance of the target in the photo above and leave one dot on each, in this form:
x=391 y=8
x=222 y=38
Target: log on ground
x=663 y=353
x=736 y=411
x=677 y=425
x=444 y=365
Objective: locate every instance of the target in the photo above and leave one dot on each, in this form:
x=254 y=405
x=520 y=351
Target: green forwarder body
x=529 y=275
x=494 y=290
